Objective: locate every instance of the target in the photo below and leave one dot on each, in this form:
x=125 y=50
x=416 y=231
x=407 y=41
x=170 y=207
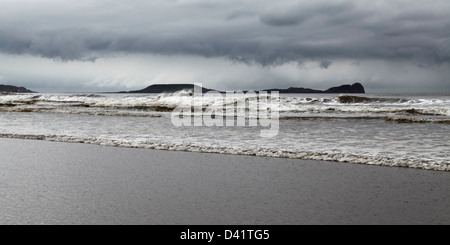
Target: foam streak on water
x=387 y=130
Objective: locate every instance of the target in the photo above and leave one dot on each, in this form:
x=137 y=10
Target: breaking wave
x=417 y=120
x=386 y=130
x=261 y=152
x=326 y=106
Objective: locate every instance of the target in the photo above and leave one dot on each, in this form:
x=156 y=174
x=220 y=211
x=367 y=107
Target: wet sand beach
x=60 y=183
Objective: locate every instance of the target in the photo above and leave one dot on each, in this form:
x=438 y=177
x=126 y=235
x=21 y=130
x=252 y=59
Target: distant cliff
x=168 y=88
x=14 y=89
x=356 y=88
x=172 y=88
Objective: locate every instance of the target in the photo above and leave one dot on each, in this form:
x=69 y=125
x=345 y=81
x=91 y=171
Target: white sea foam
x=290 y=106
x=317 y=127
x=261 y=152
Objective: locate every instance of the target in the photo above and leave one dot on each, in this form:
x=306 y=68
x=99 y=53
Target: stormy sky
x=111 y=45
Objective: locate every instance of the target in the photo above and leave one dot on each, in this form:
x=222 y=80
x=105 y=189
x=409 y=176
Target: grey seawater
x=388 y=130
x=364 y=141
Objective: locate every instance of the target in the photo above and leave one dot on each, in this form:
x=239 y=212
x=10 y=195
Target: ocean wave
x=331 y=117
x=178 y=97
x=364 y=109
x=261 y=152
x=109 y=113
x=417 y=120
x=353 y=106
x=348 y=99
x=161 y=111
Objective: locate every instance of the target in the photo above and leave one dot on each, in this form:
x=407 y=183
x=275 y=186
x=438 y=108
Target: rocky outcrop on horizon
x=172 y=88
x=356 y=88
x=13 y=89
x=168 y=88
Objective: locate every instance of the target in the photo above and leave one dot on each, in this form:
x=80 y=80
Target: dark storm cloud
x=298 y=14
x=325 y=64
x=253 y=32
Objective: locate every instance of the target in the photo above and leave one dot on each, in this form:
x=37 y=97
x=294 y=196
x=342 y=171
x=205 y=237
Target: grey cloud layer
x=254 y=32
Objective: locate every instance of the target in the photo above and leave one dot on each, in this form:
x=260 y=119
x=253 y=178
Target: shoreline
x=304 y=156
x=45 y=182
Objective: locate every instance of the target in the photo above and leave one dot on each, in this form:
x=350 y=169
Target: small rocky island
x=13 y=89
x=356 y=88
x=168 y=88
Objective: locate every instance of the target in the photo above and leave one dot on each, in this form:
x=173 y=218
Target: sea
x=396 y=130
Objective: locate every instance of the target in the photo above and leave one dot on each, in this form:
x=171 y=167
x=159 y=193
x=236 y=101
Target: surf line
x=230 y=110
